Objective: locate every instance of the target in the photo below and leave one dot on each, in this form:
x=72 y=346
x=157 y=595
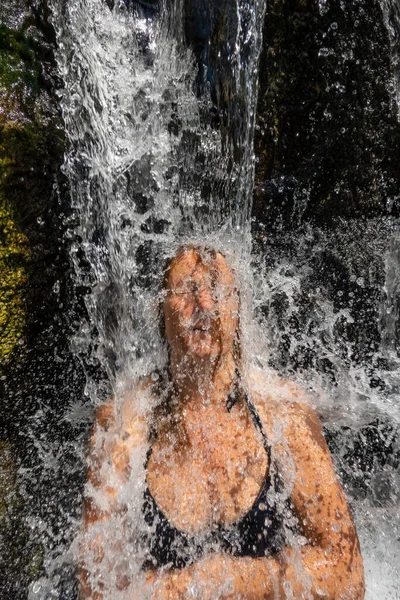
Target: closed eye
x=189 y=288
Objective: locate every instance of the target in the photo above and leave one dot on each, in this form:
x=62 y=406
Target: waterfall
x=147 y=169
x=160 y=153
x=391 y=11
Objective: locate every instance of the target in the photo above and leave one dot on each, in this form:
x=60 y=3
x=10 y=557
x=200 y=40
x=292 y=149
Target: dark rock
x=41 y=382
x=327 y=136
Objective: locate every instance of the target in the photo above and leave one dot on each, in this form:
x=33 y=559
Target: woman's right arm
x=117 y=432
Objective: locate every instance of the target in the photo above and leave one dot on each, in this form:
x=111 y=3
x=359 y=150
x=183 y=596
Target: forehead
x=192 y=262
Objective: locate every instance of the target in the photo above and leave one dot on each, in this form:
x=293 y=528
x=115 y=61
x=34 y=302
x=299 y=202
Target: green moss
x=17 y=59
x=14 y=251
x=19 y=90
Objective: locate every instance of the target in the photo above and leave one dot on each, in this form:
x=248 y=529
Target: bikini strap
x=148 y=454
x=257 y=423
x=236 y=393
x=254 y=415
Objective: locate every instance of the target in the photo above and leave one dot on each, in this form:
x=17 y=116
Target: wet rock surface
x=21 y=553
x=327 y=135
x=39 y=378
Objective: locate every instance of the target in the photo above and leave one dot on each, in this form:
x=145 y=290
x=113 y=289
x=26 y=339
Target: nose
x=204 y=299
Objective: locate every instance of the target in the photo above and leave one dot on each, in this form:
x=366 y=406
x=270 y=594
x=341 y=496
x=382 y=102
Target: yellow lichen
x=14 y=253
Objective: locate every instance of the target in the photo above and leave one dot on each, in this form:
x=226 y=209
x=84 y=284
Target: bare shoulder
x=272 y=394
x=127 y=414
x=285 y=404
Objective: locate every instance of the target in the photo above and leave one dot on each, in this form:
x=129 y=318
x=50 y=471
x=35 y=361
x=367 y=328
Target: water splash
x=326 y=301
x=390 y=307
x=149 y=168
x=391 y=12
x=145 y=171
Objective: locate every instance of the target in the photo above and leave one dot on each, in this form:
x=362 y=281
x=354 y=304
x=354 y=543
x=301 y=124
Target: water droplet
x=324 y=52
x=36 y=587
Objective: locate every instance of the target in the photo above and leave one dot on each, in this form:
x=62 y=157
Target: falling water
x=391 y=11
x=156 y=158
x=160 y=155
x=146 y=171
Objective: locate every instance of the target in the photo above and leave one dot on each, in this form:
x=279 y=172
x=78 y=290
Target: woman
x=241 y=497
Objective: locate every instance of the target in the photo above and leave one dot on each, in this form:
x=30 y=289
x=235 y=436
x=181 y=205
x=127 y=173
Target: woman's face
x=201 y=305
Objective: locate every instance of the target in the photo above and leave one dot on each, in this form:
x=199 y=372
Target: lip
x=201 y=327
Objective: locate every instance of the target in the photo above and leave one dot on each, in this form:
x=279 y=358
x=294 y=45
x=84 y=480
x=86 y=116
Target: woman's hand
x=173 y=584
x=217 y=577
x=200 y=581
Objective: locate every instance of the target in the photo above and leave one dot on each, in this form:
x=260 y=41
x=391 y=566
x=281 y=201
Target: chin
x=201 y=345
x=202 y=352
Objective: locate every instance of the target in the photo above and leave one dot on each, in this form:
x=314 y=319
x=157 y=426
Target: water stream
x=147 y=171
x=161 y=153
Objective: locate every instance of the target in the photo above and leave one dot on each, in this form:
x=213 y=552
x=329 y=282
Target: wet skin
x=200 y=308
x=211 y=467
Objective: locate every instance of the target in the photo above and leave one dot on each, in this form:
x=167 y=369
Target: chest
x=214 y=479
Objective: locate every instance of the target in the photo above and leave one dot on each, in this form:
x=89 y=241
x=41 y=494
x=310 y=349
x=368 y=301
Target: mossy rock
x=31 y=151
x=14 y=255
x=37 y=369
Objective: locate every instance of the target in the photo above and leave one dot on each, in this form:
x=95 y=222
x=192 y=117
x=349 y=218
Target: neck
x=200 y=382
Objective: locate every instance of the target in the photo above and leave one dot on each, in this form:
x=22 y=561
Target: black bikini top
x=260 y=532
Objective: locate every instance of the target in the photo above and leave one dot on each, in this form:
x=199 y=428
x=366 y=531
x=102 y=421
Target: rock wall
x=39 y=378
x=31 y=151
x=327 y=136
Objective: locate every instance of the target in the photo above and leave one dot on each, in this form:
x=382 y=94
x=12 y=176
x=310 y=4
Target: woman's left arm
x=328 y=567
